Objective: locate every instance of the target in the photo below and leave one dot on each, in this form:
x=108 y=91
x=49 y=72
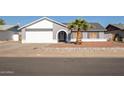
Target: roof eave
x=13 y=27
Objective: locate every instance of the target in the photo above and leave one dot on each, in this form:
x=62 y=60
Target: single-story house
x=9 y=32
x=46 y=30
x=115 y=31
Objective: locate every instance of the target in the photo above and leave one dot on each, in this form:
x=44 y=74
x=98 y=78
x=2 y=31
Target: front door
x=62 y=36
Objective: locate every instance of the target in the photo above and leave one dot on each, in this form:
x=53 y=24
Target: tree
x=2 y=22
x=78 y=25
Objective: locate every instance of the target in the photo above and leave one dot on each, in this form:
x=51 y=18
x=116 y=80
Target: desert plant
x=78 y=25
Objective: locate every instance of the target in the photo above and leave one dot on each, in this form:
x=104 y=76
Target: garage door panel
x=39 y=36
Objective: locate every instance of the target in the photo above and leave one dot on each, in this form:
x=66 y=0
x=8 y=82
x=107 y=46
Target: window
x=93 y=34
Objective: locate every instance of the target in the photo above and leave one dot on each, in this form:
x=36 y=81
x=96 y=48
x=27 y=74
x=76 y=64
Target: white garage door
x=39 y=36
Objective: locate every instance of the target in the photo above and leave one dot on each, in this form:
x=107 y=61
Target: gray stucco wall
x=6 y=35
x=56 y=28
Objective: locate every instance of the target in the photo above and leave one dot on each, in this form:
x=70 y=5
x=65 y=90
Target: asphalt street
x=28 y=66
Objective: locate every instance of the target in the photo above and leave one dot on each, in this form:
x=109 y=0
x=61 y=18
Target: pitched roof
x=94 y=27
x=120 y=26
x=43 y=18
x=7 y=27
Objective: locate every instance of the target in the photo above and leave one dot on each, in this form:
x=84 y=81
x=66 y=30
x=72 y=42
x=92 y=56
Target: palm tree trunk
x=81 y=36
x=78 y=37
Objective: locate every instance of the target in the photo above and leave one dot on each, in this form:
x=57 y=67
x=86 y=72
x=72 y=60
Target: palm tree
x=2 y=22
x=78 y=25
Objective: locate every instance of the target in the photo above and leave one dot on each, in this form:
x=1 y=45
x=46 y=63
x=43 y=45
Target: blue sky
x=104 y=20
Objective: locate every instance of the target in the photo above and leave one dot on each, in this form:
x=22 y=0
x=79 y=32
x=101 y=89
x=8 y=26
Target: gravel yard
x=16 y=49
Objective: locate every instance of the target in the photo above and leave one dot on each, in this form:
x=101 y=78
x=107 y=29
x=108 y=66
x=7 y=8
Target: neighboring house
x=9 y=32
x=115 y=31
x=46 y=30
